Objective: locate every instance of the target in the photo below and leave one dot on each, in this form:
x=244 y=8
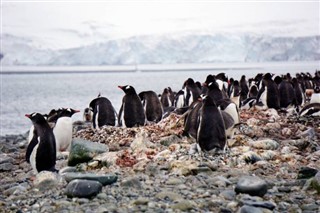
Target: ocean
x=39 y=89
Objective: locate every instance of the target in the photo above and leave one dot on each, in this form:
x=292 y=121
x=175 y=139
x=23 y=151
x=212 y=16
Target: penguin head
x=208 y=101
x=209 y=79
x=267 y=76
x=68 y=112
x=316 y=89
x=213 y=85
x=127 y=89
x=36 y=118
x=222 y=76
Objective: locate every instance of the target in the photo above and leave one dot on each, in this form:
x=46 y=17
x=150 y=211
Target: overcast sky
x=53 y=19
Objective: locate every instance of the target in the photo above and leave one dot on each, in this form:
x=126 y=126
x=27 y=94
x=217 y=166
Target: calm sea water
x=23 y=93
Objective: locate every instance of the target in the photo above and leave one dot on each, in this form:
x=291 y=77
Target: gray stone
x=46 y=180
x=132 y=182
x=4 y=167
x=83 y=188
x=262 y=204
x=306 y=172
x=228 y=194
x=103 y=179
x=183 y=205
x=251 y=185
x=83 y=151
x=315 y=183
x=67 y=169
x=4 y=158
x=266 y=144
x=167 y=141
x=310 y=207
x=249 y=209
x=167 y=195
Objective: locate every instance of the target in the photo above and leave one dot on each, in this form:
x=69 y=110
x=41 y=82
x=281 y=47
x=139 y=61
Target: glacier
x=165 y=49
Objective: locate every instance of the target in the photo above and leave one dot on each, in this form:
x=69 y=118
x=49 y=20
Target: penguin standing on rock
x=103 y=112
x=211 y=131
x=41 y=151
x=131 y=112
x=63 y=129
x=152 y=105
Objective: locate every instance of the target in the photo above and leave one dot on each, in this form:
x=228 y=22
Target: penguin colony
x=210 y=111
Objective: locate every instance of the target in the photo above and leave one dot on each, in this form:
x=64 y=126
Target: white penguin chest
x=63 y=133
x=315 y=98
x=33 y=157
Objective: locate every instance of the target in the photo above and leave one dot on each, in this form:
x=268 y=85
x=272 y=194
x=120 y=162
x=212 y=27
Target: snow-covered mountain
x=166 y=49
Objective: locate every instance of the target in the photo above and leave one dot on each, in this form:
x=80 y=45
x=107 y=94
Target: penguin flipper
x=30 y=147
x=119 y=115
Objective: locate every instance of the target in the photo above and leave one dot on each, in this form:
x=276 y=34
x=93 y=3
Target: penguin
x=192 y=91
x=131 y=112
x=228 y=124
x=298 y=92
x=214 y=92
x=191 y=121
x=166 y=99
x=63 y=129
x=103 y=112
x=222 y=81
x=211 y=132
x=152 y=106
x=179 y=99
x=244 y=89
x=286 y=92
x=315 y=97
x=41 y=151
x=87 y=115
x=312 y=109
x=235 y=93
x=269 y=94
x=228 y=106
x=248 y=103
x=253 y=91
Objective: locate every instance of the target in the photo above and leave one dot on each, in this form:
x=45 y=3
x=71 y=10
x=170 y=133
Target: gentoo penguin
x=131 y=112
x=235 y=93
x=269 y=94
x=103 y=112
x=310 y=110
x=228 y=106
x=211 y=131
x=179 y=99
x=87 y=115
x=63 y=129
x=286 y=92
x=222 y=81
x=166 y=98
x=191 y=121
x=299 y=93
x=315 y=97
x=41 y=151
x=248 y=103
x=192 y=91
x=214 y=92
x=253 y=91
x=152 y=106
x=244 y=89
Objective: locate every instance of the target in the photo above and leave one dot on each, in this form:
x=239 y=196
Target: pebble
x=105 y=179
x=251 y=185
x=46 y=180
x=83 y=188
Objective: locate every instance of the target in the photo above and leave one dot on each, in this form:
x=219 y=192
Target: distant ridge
x=165 y=49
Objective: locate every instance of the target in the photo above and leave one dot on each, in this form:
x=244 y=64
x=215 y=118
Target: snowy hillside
x=165 y=49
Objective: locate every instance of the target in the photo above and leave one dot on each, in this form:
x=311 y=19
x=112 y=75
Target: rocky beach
x=271 y=165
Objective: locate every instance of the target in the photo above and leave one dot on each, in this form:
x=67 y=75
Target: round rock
x=83 y=188
x=251 y=185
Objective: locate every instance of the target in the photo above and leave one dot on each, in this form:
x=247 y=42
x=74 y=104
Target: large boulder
x=83 y=151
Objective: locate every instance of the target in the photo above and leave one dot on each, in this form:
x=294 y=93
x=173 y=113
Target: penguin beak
x=204 y=84
x=76 y=110
x=27 y=115
x=121 y=87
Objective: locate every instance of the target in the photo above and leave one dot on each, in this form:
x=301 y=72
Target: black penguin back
x=131 y=109
x=103 y=112
x=152 y=105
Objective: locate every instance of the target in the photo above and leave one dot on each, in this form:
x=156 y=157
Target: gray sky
x=53 y=22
